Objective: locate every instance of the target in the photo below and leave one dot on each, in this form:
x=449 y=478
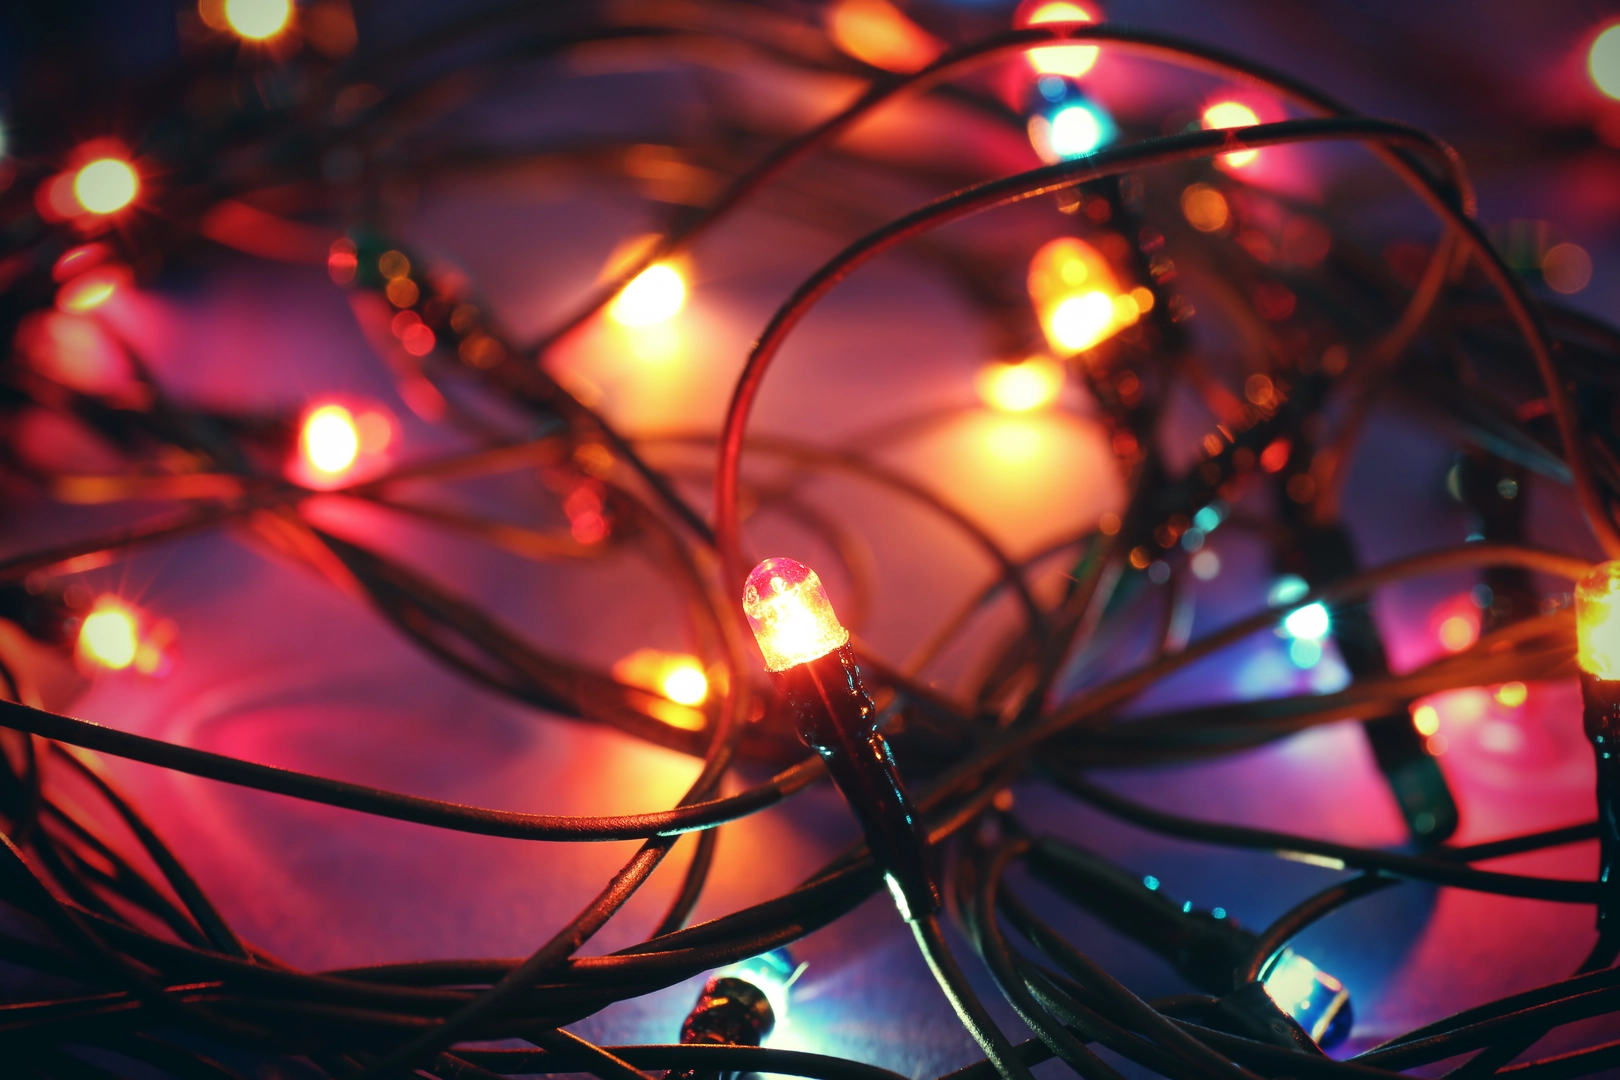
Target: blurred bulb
x=1232 y=114
x=1077 y=296
x=1081 y=321
x=1021 y=387
x=105 y=185
x=1597 y=622
x=330 y=439
x=685 y=684
x=107 y=636
x=1071 y=60
x=257 y=20
x=1076 y=131
x=653 y=296
x=89 y=290
x=789 y=612
x=1603 y=62
x=1315 y=999
x=877 y=32
x=1309 y=623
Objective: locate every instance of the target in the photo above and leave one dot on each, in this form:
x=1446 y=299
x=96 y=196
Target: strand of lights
x=1597 y=627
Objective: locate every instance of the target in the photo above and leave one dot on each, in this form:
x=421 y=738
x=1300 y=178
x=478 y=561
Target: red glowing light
x=91 y=289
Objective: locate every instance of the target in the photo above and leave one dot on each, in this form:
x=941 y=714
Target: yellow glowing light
x=1603 y=62
x=1512 y=694
x=791 y=617
x=86 y=293
x=1458 y=632
x=1232 y=114
x=331 y=441
x=1020 y=387
x=107 y=636
x=685 y=683
x=106 y=185
x=1597 y=622
x=880 y=34
x=1426 y=719
x=1081 y=321
x=257 y=20
x=1077 y=297
x=1071 y=60
x=654 y=296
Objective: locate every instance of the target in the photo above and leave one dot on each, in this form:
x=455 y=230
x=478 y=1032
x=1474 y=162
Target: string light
x=1597 y=652
x=108 y=636
x=1232 y=114
x=330 y=439
x=258 y=20
x=1077 y=296
x=105 y=185
x=1071 y=61
x=1030 y=384
x=1315 y=999
x=655 y=295
x=1603 y=61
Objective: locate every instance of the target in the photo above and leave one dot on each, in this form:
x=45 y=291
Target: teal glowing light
x=773 y=972
x=1209 y=517
x=1305 y=652
x=1286 y=589
x=1310 y=623
x=1077 y=130
x=1315 y=999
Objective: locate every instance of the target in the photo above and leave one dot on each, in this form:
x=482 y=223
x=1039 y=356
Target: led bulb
x=331 y=441
x=1597 y=622
x=108 y=636
x=1232 y=114
x=1071 y=60
x=106 y=185
x=1315 y=999
x=258 y=20
x=653 y=296
x=789 y=612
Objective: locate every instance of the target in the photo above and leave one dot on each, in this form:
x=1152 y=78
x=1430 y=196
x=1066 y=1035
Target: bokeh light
x=257 y=20
x=108 y=636
x=1232 y=114
x=655 y=295
x=1204 y=208
x=1070 y=60
x=106 y=185
x=1020 y=387
x=877 y=32
x=1076 y=131
x=330 y=439
x=90 y=290
x=1310 y=622
x=1077 y=296
x=1566 y=268
x=685 y=682
x=1603 y=62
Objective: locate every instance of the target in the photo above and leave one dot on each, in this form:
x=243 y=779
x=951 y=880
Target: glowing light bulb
x=330 y=439
x=1309 y=623
x=1597 y=622
x=1081 y=321
x=789 y=612
x=106 y=185
x=880 y=34
x=1071 y=60
x=654 y=296
x=1076 y=131
x=1077 y=297
x=1020 y=387
x=257 y=20
x=685 y=683
x=1315 y=999
x=1603 y=62
x=107 y=636
x=88 y=291
x=1232 y=114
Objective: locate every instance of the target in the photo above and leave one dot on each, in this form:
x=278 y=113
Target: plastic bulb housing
x=788 y=610
x=1316 y=1000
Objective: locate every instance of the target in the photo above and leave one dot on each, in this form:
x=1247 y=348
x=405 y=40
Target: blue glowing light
x=1310 y=622
x=1078 y=130
x=1219 y=913
x=1151 y=882
x=773 y=972
x=1186 y=908
x=1315 y=999
x=1052 y=88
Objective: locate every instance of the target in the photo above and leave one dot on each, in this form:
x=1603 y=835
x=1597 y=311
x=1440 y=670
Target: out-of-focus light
x=76 y=261
x=1071 y=60
x=108 y=635
x=878 y=33
x=1077 y=296
x=330 y=439
x=1232 y=114
x=686 y=684
x=257 y=20
x=1426 y=719
x=1512 y=694
x=1020 y=387
x=1315 y=999
x=106 y=185
x=90 y=290
x=342 y=261
x=1457 y=632
x=1206 y=565
x=1603 y=62
x=1286 y=589
x=1305 y=653
x=1566 y=268
x=1204 y=208
x=1597 y=622
x=1076 y=131
x=1309 y=623
x=655 y=295
x=789 y=612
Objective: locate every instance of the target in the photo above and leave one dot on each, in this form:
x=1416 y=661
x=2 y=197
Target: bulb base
x=836 y=718
x=1600 y=699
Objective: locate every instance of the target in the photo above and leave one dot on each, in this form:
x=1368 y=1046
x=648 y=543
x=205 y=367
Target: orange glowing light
x=330 y=439
x=789 y=612
x=1426 y=719
x=878 y=33
x=106 y=185
x=685 y=683
x=1232 y=114
x=88 y=291
x=107 y=637
x=1603 y=62
x=678 y=677
x=258 y=20
x=1566 y=268
x=1071 y=60
x=1457 y=632
x=1021 y=387
x=1512 y=694
x=1205 y=208
x=1077 y=297
x=1597 y=622
x=655 y=295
